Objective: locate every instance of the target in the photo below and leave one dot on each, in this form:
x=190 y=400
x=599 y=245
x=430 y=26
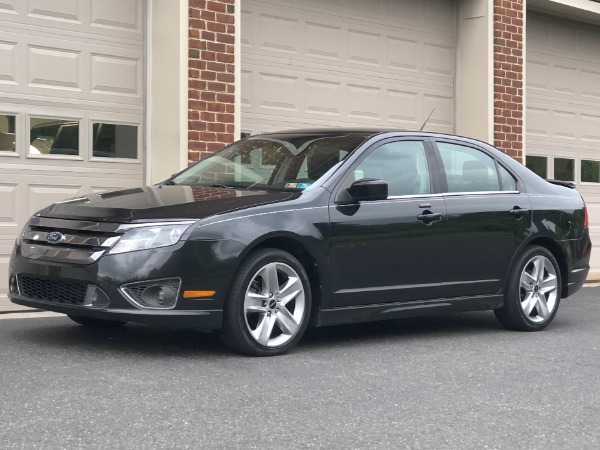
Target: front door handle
x=517 y=212
x=428 y=217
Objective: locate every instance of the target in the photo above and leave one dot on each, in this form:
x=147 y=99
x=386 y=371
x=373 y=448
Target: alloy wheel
x=538 y=289
x=274 y=304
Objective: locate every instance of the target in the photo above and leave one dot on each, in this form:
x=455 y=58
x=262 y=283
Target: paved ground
x=457 y=382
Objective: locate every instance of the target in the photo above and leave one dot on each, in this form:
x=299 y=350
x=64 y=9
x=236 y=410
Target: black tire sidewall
x=235 y=333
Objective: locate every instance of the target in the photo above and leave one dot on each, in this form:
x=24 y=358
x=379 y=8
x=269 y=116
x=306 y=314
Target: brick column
x=508 y=76
x=211 y=76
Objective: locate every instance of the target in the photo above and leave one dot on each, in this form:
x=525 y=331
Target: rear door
x=488 y=216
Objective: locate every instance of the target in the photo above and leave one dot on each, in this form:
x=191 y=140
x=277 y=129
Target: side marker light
x=198 y=294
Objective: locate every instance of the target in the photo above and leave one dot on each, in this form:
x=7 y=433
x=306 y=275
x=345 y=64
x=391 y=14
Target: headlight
x=146 y=237
x=19 y=239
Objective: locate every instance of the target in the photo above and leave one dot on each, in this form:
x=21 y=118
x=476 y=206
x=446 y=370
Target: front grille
x=65 y=292
x=69 y=241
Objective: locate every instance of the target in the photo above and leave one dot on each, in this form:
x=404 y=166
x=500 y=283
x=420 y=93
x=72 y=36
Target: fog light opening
x=14 y=285
x=155 y=294
x=159 y=297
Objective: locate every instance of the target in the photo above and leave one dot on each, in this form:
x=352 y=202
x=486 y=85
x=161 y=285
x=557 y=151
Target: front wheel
x=533 y=291
x=269 y=304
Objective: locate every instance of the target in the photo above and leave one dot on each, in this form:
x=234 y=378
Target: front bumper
x=200 y=265
x=200 y=319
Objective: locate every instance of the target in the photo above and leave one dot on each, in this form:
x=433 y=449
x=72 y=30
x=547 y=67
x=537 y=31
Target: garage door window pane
x=115 y=141
x=590 y=171
x=53 y=137
x=564 y=169
x=7 y=133
x=468 y=169
x=538 y=165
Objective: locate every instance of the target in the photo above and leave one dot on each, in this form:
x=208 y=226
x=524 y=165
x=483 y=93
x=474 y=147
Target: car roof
x=336 y=131
x=369 y=132
x=333 y=131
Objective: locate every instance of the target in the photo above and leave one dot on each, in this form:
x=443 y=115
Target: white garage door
x=563 y=108
x=374 y=63
x=71 y=105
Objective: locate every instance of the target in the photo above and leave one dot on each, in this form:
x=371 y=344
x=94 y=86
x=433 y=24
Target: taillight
x=585 y=217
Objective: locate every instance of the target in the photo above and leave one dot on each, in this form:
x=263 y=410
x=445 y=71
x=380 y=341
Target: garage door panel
x=442 y=106
x=568 y=123
x=117 y=15
x=61 y=10
x=590 y=83
x=350 y=45
x=323 y=41
x=563 y=108
x=104 y=18
x=8 y=200
x=347 y=63
x=589 y=39
x=116 y=75
x=42 y=195
x=350 y=100
x=52 y=67
x=8 y=6
x=55 y=69
x=66 y=60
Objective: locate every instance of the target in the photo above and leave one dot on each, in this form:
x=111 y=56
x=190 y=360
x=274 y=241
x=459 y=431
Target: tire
x=95 y=323
x=533 y=291
x=266 y=315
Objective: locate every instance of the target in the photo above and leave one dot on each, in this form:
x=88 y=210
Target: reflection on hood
x=161 y=202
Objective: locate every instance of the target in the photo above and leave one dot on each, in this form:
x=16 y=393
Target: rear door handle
x=428 y=217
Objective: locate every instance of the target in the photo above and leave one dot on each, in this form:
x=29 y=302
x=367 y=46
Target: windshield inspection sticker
x=297 y=185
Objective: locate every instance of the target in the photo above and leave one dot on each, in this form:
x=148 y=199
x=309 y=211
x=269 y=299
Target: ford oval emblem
x=55 y=237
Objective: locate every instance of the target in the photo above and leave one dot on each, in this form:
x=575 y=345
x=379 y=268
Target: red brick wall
x=211 y=76
x=508 y=77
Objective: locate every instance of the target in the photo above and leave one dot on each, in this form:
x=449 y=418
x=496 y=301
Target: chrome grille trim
x=79 y=225
x=60 y=254
x=83 y=242
x=72 y=239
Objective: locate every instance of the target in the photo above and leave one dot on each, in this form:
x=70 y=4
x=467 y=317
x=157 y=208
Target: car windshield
x=271 y=162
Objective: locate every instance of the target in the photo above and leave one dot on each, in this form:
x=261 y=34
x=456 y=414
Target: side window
x=508 y=181
x=402 y=164
x=468 y=169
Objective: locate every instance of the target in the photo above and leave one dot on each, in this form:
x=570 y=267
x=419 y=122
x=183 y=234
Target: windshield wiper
x=217 y=185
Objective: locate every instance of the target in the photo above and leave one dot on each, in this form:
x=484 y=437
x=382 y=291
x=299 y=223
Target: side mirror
x=368 y=189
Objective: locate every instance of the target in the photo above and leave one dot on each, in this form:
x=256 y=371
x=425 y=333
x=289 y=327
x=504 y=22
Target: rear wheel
x=269 y=305
x=95 y=323
x=533 y=291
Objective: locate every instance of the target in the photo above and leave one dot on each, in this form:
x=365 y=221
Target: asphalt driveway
x=443 y=382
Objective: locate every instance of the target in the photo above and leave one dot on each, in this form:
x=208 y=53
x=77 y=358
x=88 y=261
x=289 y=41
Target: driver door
x=388 y=250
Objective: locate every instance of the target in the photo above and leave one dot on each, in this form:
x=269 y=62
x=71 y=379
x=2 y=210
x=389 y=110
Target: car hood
x=161 y=203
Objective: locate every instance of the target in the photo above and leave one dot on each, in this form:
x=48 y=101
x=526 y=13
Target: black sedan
x=315 y=227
